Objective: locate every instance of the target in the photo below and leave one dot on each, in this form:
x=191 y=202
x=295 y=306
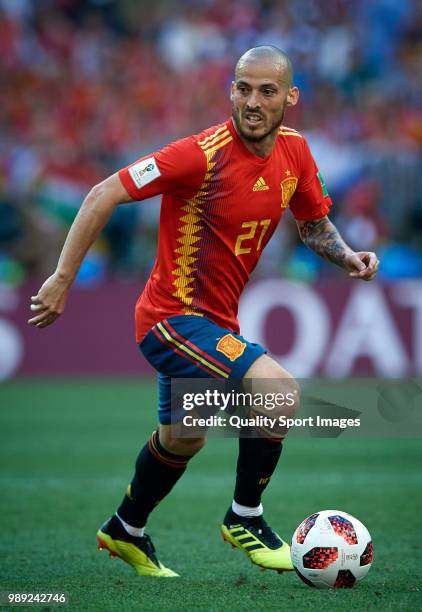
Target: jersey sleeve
x=310 y=200
x=177 y=169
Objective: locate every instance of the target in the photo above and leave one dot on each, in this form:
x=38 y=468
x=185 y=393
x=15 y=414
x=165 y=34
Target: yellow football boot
x=138 y=552
x=256 y=538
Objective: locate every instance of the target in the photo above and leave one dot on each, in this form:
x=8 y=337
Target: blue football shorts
x=191 y=346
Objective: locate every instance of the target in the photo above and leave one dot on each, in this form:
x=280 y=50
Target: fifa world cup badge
x=231 y=347
x=288 y=187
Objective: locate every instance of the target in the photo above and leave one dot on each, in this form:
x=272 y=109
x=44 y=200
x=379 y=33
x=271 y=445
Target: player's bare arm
x=94 y=213
x=322 y=236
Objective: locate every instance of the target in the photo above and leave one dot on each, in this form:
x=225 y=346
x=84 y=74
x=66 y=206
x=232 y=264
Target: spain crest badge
x=231 y=347
x=288 y=187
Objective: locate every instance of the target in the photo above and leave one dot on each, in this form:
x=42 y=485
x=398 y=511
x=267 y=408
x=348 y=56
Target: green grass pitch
x=66 y=456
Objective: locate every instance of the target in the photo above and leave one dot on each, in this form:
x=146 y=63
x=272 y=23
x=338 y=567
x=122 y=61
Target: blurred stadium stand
x=87 y=86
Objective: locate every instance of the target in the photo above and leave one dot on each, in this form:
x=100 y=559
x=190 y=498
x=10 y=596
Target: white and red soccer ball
x=331 y=549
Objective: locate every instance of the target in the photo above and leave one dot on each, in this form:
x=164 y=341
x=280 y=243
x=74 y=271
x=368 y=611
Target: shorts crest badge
x=231 y=347
x=288 y=187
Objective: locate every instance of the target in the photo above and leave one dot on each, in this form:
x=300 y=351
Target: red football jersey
x=220 y=207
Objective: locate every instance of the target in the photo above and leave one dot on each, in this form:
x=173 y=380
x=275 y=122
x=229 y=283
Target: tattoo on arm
x=323 y=237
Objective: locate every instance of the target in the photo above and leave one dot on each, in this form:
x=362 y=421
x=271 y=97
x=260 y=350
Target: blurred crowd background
x=87 y=86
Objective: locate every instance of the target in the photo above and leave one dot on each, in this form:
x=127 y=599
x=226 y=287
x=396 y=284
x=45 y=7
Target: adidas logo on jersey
x=260 y=185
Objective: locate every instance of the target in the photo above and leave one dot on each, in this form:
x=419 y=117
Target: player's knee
x=273 y=387
x=186 y=447
x=281 y=397
x=275 y=405
x=292 y=397
x=180 y=446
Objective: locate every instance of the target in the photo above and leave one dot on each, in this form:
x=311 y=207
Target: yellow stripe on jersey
x=205 y=140
x=220 y=138
x=286 y=131
x=187 y=350
x=283 y=133
x=186 y=253
x=217 y=145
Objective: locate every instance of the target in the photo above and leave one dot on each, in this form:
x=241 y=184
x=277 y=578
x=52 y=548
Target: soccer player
x=224 y=192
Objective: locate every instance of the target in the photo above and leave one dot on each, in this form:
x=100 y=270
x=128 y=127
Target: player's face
x=259 y=98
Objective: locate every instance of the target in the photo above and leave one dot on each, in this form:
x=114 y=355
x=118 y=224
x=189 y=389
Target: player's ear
x=292 y=96
x=232 y=88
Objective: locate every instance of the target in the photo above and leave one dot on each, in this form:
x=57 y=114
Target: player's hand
x=362 y=265
x=49 y=302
